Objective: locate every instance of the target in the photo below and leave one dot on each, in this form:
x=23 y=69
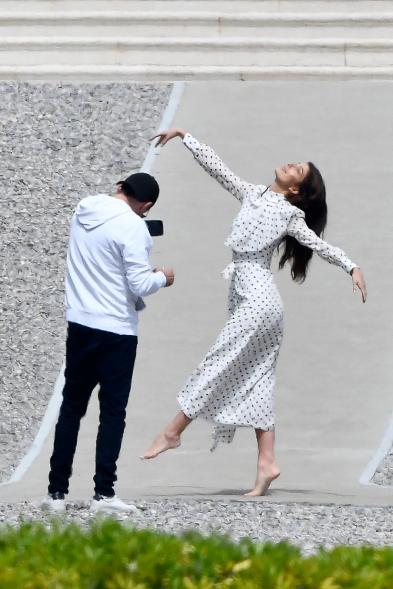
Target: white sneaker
x=110 y=504
x=55 y=503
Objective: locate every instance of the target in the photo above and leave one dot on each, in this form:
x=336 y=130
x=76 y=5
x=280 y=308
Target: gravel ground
x=58 y=143
x=308 y=526
x=384 y=473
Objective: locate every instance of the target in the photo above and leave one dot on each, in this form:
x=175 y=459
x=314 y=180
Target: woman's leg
x=170 y=437
x=267 y=469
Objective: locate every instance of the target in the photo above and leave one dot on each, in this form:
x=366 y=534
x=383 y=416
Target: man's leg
x=80 y=380
x=116 y=365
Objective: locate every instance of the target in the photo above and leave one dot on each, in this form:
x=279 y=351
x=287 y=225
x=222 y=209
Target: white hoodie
x=108 y=266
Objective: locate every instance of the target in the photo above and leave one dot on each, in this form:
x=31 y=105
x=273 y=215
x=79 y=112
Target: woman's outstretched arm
x=210 y=161
x=299 y=229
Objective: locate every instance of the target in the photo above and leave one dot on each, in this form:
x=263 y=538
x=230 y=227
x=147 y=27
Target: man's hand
x=359 y=282
x=165 y=136
x=169 y=274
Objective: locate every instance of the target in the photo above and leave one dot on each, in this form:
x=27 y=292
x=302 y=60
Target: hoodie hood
x=94 y=211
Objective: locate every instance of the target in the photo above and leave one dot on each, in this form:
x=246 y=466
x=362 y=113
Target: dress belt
x=230 y=269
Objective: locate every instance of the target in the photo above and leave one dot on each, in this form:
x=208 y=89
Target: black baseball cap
x=141 y=186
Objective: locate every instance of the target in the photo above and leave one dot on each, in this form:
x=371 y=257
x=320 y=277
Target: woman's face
x=291 y=175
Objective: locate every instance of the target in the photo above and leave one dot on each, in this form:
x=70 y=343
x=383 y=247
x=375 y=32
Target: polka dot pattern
x=234 y=384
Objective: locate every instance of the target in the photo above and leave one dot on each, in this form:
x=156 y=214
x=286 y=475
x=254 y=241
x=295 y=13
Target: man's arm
x=141 y=278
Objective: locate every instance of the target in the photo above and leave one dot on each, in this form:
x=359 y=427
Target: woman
x=233 y=386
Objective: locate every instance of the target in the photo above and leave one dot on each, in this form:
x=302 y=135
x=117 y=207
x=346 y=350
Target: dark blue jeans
x=93 y=357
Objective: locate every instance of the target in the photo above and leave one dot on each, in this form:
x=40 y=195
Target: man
x=108 y=272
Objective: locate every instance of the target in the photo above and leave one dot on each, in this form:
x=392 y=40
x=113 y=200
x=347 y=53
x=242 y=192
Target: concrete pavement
x=334 y=385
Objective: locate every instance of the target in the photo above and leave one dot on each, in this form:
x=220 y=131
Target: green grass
x=111 y=556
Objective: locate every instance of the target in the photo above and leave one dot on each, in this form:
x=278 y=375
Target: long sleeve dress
x=234 y=384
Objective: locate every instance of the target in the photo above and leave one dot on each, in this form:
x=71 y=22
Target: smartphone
x=155 y=228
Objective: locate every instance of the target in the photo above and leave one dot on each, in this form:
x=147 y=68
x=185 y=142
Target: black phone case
x=155 y=227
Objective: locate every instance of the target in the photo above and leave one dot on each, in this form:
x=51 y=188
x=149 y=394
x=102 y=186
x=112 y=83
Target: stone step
x=204 y=37
x=100 y=73
x=309 y=6
x=196 y=24
x=167 y=51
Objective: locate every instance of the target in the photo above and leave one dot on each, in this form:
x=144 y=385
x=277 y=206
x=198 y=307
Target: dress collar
x=280 y=194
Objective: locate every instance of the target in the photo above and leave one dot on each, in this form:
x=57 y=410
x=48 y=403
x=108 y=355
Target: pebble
x=58 y=143
x=305 y=525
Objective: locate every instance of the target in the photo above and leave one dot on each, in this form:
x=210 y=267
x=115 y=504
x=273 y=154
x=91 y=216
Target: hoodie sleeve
x=141 y=279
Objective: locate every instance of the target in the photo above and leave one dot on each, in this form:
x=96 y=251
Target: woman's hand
x=165 y=136
x=359 y=282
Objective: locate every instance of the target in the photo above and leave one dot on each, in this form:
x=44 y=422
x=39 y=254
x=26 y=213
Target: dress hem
x=216 y=422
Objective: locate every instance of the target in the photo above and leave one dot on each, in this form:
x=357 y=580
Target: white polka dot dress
x=234 y=384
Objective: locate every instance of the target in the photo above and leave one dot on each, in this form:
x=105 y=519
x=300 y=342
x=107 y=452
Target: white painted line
x=55 y=401
x=383 y=449
x=166 y=122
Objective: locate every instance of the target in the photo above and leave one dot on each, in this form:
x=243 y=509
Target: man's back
x=107 y=265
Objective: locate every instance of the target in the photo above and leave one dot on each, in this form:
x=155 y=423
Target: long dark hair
x=311 y=198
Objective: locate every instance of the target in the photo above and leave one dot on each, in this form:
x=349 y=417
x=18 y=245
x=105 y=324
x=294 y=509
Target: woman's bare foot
x=162 y=443
x=265 y=477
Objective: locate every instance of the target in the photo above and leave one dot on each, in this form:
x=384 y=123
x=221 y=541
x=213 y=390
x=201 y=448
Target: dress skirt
x=234 y=384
